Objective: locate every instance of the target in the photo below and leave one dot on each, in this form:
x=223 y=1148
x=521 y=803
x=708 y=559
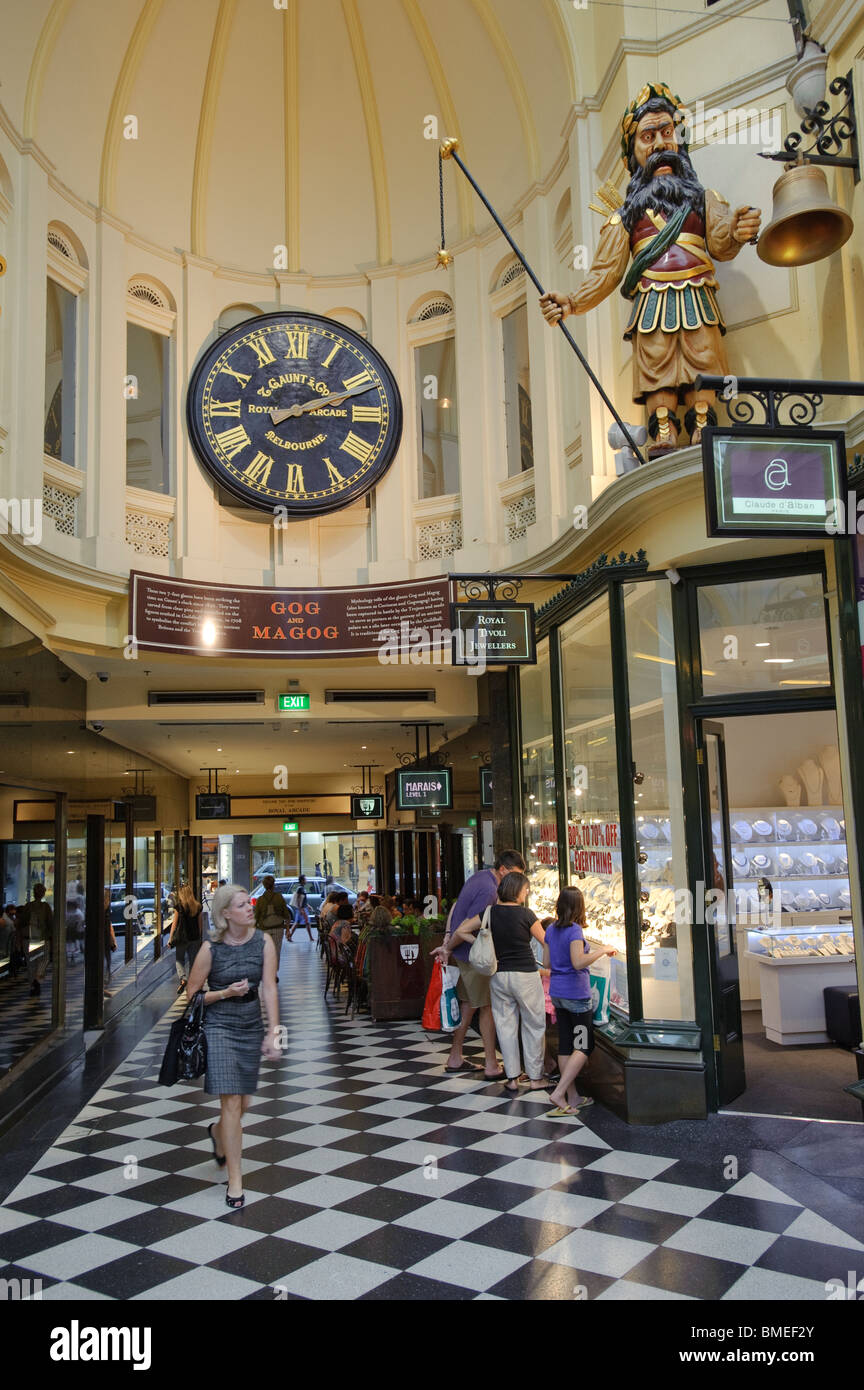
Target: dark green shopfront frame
x=650 y=1071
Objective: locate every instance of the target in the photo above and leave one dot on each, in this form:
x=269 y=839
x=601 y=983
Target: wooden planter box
x=397 y=978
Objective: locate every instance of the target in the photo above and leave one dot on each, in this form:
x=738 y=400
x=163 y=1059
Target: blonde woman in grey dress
x=237 y=962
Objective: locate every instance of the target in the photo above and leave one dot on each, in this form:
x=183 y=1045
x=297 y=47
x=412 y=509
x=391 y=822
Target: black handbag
x=186 y=1053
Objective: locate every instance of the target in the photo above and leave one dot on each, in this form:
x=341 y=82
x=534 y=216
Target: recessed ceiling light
x=218 y=750
x=778 y=660
x=70 y=750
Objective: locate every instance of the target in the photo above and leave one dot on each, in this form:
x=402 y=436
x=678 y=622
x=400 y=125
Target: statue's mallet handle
x=754 y=239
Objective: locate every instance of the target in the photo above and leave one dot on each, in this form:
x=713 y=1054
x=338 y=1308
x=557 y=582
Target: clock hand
x=306 y=407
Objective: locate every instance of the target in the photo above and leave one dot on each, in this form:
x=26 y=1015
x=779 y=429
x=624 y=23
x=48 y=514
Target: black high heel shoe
x=235 y=1202
x=220 y=1158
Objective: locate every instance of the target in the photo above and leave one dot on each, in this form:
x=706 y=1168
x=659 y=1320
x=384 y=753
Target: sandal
x=498 y=1076
x=583 y=1103
x=511 y=1090
x=464 y=1067
x=559 y=1111
x=235 y=1202
x=220 y=1158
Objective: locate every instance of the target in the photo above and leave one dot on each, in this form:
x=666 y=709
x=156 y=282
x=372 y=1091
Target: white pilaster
x=394 y=495
x=479 y=491
x=199 y=536
x=549 y=467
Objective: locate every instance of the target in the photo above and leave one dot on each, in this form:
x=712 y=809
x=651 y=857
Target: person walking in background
x=7 y=936
x=236 y=964
x=35 y=923
x=272 y=914
x=110 y=938
x=300 y=908
x=569 y=957
x=516 y=990
x=479 y=892
x=186 y=933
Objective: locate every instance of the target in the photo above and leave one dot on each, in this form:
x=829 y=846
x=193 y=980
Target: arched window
x=437 y=418
x=66 y=278
x=149 y=327
x=233 y=314
x=517 y=391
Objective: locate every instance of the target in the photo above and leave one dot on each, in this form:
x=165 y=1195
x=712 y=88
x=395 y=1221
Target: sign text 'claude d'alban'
x=172 y=615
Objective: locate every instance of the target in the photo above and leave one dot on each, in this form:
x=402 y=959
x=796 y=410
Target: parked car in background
x=141 y=913
x=317 y=890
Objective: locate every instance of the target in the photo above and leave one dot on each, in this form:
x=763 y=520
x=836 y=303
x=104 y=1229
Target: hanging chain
x=443 y=258
x=441 y=197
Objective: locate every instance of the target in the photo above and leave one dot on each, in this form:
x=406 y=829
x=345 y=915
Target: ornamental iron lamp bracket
x=833 y=133
x=497 y=586
x=801 y=399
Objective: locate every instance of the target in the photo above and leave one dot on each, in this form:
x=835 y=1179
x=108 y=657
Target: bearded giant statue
x=660 y=246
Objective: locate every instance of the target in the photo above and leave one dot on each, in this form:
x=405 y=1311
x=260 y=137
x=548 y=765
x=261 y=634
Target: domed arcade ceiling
x=230 y=127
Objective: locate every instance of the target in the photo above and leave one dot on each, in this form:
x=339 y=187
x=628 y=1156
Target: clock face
x=294 y=411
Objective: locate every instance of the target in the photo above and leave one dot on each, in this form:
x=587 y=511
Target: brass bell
x=805 y=226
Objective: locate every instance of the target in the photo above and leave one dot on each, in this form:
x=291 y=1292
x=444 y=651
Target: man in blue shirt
x=479 y=892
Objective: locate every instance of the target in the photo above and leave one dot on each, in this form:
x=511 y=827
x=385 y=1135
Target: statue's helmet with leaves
x=654 y=96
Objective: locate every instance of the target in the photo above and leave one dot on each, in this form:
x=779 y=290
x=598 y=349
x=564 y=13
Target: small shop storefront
x=73 y=832
x=691 y=756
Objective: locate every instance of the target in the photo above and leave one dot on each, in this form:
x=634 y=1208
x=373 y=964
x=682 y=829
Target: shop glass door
x=719 y=910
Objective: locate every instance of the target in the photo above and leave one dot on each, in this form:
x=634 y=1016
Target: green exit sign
x=472 y=820
x=293 y=704
x=290 y=826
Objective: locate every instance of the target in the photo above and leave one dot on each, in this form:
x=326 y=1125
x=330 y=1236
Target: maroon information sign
x=184 y=615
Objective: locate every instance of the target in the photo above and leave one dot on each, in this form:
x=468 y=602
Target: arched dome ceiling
x=299 y=125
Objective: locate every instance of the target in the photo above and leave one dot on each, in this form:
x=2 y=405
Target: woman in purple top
x=568 y=957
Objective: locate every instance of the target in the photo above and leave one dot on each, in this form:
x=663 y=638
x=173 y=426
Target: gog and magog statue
x=658 y=245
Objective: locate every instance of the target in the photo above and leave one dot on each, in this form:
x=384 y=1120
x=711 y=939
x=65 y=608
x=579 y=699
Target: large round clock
x=295 y=411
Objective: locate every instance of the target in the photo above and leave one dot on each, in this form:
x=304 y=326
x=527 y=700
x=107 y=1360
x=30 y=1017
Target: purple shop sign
x=761 y=481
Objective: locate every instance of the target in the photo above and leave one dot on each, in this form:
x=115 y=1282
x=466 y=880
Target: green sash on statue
x=654 y=250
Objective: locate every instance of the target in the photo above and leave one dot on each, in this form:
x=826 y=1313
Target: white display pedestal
x=793 y=1009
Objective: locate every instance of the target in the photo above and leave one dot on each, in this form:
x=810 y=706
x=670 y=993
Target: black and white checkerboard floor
x=371 y=1174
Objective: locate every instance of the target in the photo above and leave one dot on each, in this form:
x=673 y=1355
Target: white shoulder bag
x=482 y=954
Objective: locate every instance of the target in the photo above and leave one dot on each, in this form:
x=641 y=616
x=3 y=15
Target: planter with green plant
x=400 y=965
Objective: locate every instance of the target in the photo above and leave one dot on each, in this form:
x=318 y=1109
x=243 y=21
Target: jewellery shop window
x=666 y=952
x=591 y=769
x=764 y=634
x=538 y=783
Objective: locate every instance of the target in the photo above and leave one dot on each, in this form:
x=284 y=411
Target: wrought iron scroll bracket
x=834 y=134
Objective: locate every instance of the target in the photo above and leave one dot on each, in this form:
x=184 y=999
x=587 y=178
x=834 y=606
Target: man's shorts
x=472 y=987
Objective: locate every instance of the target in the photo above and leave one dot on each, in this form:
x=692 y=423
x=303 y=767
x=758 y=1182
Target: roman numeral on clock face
x=232 y=442
x=329 y=358
x=261 y=348
x=298 y=343
x=295 y=481
x=336 y=478
x=258 y=471
x=225 y=408
x=352 y=382
x=356 y=447
x=242 y=377
x=366 y=412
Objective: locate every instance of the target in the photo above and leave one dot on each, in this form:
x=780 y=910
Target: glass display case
x=795 y=944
